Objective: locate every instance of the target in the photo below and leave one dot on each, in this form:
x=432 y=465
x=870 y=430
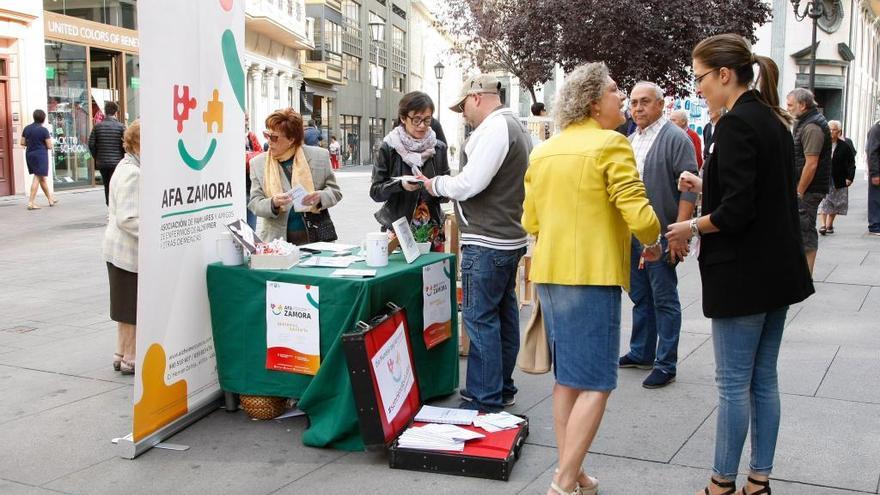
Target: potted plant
x=423 y=235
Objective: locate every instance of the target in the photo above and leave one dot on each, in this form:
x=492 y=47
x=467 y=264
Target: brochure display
x=387 y=405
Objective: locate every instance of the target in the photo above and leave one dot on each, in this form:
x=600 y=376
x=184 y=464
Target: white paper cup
x=228 y=250
x=377 y=249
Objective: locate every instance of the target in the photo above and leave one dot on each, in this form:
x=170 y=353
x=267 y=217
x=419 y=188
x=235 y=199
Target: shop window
x=68 y=113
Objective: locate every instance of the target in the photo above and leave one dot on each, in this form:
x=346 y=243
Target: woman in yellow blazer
x=584 y=200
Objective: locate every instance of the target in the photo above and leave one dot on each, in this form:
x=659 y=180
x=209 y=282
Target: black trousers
x=106 y=174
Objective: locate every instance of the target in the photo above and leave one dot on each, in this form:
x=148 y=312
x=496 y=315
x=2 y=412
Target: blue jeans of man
x=746 y=351
x=251 y=218
x=491 y=316
x=873 y=208
x=656 y=314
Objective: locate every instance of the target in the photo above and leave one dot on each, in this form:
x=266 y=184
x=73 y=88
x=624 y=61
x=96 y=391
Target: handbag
x=319 y=227
x=534 y=353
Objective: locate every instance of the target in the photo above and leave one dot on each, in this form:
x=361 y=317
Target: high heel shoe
x=765 y=487
x=32 y=206
x=729 y=485
x=117 y=361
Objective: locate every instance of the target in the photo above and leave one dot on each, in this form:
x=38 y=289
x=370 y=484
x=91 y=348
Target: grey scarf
x=413 y=151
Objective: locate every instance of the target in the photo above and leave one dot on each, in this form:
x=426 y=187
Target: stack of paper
x=497 y=422
x=445 y=415
x=352 y=273
x=331 y=261
x=436 y=437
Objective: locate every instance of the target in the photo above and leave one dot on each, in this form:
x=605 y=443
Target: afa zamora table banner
x=192 y=185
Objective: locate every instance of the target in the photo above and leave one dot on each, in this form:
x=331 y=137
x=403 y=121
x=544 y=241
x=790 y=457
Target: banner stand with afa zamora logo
x=193 y=101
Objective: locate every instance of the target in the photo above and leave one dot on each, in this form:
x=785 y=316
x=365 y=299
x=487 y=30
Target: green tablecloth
x=238 y=317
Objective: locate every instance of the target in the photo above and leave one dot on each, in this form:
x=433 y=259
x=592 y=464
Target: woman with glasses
x=274 y=176
x=751 y=255
x=411 y=149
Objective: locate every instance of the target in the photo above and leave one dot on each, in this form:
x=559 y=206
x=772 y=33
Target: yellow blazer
x=584 y=200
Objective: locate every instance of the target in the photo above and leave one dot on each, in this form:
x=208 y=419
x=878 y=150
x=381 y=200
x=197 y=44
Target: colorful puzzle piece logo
x=182 y=105
x=214 y=113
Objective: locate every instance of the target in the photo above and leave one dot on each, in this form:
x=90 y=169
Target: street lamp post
x=815 y=10
x=377 y=34
x=438 y=73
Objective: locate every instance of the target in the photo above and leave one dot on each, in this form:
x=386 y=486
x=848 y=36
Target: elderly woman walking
x=583 y=199
x=843 y=172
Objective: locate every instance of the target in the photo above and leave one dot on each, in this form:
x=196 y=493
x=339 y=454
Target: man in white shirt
x=489 y=193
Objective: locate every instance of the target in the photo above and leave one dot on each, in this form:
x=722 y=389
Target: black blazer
x=843 y=163
x=707 y=140
x=756 y=262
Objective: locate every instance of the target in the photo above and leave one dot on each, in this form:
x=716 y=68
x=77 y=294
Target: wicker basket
x=262 y=406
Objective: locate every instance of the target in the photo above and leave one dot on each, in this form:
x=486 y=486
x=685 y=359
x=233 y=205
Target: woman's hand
x=679 y=233
x=653 y=253
x=411 y=186
x=688 y=182
x=281 y=199
x=312 y=199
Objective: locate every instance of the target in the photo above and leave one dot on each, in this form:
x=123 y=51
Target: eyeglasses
x=273 y=138
x=417 y=121
x=699 y=78
x=460 y=107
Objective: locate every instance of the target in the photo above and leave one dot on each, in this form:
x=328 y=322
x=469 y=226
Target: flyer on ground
x=437 y=303
x=293 y=332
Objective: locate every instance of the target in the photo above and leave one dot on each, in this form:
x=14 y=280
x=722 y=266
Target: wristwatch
x=695 y=228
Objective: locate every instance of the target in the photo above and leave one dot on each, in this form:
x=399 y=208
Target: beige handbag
x=534 y=352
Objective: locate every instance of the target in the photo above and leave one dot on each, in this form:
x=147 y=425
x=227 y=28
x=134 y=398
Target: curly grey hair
x=584 y=86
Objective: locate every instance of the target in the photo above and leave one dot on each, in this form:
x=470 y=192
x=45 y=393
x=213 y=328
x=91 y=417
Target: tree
x=638 y=39
x=519 y=36
x=650 y=39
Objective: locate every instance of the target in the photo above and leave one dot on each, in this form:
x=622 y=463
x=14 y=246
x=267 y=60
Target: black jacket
x=105 y=143
x=756 y=262
x=872 y=148
x=843 y=163
x=707 y=140
x=398 y=201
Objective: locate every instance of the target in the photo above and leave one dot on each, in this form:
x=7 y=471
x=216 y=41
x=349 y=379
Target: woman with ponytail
x=751 y=256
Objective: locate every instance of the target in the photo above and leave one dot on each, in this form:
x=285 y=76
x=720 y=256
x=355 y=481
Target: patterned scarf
x=413 y=151
x=302 y=174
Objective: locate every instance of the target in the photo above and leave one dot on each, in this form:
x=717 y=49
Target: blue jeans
x=873 y=207
x=251 y=218
x=746 y=350
x=656 y=315
x=491 y=317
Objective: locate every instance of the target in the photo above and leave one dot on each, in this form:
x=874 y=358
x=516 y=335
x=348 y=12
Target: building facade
x=847 y=81
x=278 y=34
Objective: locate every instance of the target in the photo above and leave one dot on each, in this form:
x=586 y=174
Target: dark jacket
x=398 y=201
x=105 y=143
x=707 y=140
x=756 y=262
x=312 y=136
x=872 y=148
x=843 y=164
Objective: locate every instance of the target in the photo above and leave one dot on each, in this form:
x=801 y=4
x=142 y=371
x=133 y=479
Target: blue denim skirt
x=583 y=331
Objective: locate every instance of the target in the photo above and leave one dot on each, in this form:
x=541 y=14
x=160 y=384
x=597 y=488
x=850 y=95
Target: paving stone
x=71 y=354
x=13 y=488
x=821 y=442
x=229 y=453
x=853 y=376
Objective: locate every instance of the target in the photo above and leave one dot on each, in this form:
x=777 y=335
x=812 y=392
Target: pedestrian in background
x=489 y=194
x=812 y=159
x=105 y=145
x=872 y=147
x=35 y=137
x=312 y=135
x=708 y=130
x=586 y=172
x=334 y=149
x=751 y=256
x=411 y=148
x=680 y=118
x=120 y=248
x=252 y=148
x=843 y=172
x=662 y=152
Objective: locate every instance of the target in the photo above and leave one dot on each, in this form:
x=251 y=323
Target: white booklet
x=445 y=415
x=412 y=179
x=330 y=261
x=297 y=194
x=407 y=241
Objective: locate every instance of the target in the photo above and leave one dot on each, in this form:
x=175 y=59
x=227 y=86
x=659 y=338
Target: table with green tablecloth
x=238 y=316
